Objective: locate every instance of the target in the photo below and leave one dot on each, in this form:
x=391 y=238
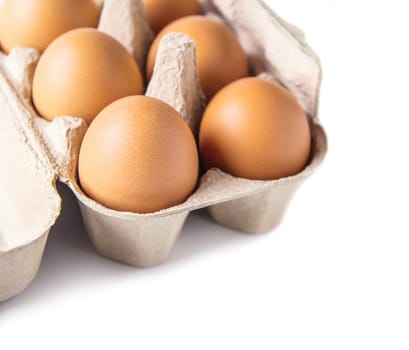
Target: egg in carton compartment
x=35 y=153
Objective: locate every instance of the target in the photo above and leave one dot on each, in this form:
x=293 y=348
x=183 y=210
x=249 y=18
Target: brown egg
x=255 y=129
x=34 y=23
x=81 y=72
x=220 y=58
x=138 y=155
x=161 y=12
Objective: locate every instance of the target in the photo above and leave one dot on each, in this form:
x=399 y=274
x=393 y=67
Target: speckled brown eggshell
x=81 y=72
x=35 y=24
x=255 y=129
x=219 y=56
x=162 y=12
x=138 y=155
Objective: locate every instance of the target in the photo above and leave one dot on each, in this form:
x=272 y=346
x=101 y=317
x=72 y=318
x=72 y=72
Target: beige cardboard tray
x=34 y=153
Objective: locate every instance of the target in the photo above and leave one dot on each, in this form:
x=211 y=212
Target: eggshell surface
x=255 y=129
x=82 y=72
x=162 y=12
x=35 y=24
x=138 y=155
x=220 y=58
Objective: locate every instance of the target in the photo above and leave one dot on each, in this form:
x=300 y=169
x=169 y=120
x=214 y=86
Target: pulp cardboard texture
x=35 y=152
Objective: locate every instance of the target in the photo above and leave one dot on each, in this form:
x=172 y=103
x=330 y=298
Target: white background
x=334 y=275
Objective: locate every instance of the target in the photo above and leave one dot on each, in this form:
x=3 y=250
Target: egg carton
x=35 y=153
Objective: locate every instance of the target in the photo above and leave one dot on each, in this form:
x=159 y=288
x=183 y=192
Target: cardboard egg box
x=35 y=153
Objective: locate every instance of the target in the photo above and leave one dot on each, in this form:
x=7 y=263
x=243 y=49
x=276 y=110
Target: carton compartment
x=29 y=203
